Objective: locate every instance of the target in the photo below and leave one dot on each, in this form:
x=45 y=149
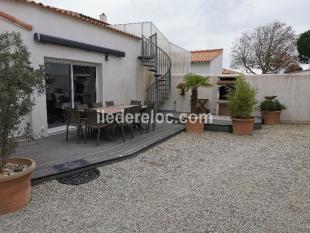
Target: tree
x=193 y=82
x=18 y=82
x=303 y=47
x=269 y=48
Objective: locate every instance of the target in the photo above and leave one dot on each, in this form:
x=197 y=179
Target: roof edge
x=78 y=16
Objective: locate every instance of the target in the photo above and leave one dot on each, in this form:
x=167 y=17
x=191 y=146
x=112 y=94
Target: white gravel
x=215 y=182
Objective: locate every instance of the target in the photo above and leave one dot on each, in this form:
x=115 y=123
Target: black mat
x=81 y=177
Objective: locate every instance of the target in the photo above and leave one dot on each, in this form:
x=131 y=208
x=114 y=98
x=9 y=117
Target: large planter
x=194 y=125
x=271 y=118
x=15 y=189
x=243 y=126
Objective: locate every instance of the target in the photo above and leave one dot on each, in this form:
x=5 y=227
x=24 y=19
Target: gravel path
x=215 y=182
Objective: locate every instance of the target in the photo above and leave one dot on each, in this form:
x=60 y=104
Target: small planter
x=271 y=118
x=15 y=190
x=243 y=126
x=194 y=124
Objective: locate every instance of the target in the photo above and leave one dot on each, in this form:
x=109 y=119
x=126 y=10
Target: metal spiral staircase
x=159 y=63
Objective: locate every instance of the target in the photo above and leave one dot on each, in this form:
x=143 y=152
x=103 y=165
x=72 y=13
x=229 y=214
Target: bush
x=242 y=99
x=271 y=104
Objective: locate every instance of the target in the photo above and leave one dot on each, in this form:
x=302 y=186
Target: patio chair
x=137 y=111
x=92 y=123
x=96 y=105
x=202 y=106
x=109 y=103
x=81 y=108
x=123 y=124
x=148 y=111
x=74 y=119
x=135 y=102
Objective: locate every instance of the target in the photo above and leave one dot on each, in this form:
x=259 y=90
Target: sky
x=197 y=24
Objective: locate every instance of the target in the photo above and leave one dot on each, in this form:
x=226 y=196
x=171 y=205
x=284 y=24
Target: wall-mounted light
x=107 y=57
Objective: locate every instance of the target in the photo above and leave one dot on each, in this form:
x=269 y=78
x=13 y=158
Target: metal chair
x=96 y=105
x=74 y=119
x=109 y=103
x=123 y=124
x=137 y=111
x=92 y=123
x=149 y=110
x=135 y=102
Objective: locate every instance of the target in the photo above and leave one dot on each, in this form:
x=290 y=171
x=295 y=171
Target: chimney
x=103 y=18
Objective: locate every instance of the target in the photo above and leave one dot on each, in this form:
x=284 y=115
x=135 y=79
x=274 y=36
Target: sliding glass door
x=68 y=86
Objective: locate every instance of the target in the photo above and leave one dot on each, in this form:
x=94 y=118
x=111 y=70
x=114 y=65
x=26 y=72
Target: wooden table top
x=123 y=106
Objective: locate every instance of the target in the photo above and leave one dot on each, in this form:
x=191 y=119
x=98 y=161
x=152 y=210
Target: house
x=207 y=61
x=89 y=60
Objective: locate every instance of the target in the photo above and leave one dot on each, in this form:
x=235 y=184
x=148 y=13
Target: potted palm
x=241 y=105
x=271 y=110
x=18 y=82
x=193 y=82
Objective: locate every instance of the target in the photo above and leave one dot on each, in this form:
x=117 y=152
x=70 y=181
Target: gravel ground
x=215 y=182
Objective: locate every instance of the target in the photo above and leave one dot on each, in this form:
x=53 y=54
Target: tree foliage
x=18 y=82
x=269 y=48
x=242 y=99
x=193 y=82
x=303 y=47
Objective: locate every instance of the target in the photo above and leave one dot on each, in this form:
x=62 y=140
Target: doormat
x=71 y=165
x=81 y=177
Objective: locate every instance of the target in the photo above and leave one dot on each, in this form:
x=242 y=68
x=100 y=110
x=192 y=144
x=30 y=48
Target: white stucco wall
x=292 y=90
x=119 y=79
x=201 y=68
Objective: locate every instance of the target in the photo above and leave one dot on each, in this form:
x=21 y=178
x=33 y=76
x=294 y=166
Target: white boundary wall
x=293 y=90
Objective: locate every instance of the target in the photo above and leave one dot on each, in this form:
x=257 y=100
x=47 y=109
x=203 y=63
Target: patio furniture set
x=92 y=119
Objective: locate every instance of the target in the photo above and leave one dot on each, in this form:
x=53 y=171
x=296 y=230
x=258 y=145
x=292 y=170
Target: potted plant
x=18 y=83
x=241 y=105
x=271 y=110
x=192 y=82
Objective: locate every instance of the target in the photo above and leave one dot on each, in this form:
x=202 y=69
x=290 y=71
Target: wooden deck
x=56 y=157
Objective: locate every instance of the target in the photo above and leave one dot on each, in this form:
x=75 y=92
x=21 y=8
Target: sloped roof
x=205 y=55
x=77 y=16
x=229 y=71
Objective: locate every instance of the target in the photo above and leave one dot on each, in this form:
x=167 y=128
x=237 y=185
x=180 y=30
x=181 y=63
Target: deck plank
x=55 y=150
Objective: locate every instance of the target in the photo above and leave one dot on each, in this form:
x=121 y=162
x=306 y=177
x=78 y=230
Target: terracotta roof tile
x=205 y=55
x=78 y=16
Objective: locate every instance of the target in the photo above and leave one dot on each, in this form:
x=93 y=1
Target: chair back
x=73 y=116
x=149 y=108
x=109 y=103
x=97 y=105
x=92 y=118
x=135 y=102
x=82 y=107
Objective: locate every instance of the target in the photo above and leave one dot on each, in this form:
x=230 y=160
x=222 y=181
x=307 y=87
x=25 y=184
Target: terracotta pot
x=194 y=125
x=15 y=189
x=243 y=126
x=271 y=118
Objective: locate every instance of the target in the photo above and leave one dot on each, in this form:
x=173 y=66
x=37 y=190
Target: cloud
x=197 y=24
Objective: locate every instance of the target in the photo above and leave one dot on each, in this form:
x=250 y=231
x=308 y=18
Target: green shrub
x=271 y=104
x=242 y=99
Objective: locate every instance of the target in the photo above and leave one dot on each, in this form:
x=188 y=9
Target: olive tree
x=18 y=83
